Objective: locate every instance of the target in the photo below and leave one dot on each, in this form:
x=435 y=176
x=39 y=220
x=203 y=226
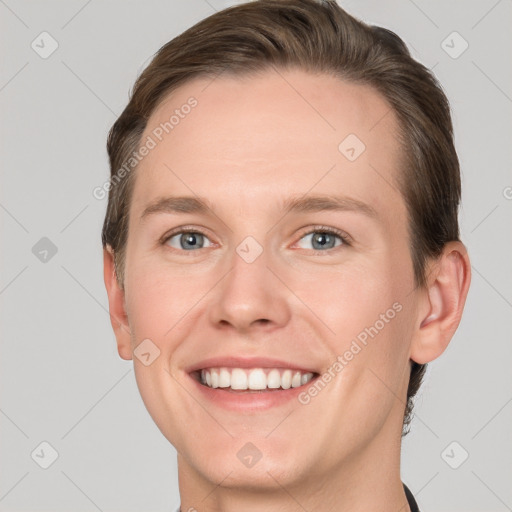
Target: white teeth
x=257 y=379
x=215 y=378
x=254 y=379
x=286 y=379
x=273 y=379
x=296 y=380
x=224 y=378
x=238 y=379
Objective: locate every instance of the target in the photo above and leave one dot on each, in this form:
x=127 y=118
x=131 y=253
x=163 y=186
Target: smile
x=249 y=384
x=253 y=379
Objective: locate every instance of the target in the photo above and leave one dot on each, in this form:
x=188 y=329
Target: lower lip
x=250 y=400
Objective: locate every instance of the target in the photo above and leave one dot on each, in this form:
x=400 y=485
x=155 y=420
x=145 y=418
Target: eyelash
x=344 y=237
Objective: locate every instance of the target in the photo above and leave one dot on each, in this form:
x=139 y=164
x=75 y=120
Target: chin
x=251 y=465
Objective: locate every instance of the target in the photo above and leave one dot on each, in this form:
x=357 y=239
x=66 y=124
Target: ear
x=118 y=316
x=441 y=303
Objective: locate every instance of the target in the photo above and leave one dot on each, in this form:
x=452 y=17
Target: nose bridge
x=249 y=294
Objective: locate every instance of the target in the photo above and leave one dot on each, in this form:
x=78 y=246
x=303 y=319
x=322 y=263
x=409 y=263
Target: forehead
x=274 y=134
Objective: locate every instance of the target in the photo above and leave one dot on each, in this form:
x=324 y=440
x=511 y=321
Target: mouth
x=249 y=385
x=252 y=380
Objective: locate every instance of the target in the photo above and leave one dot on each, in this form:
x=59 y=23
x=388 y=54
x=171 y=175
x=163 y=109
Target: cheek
x=366 y=309
x=351 y=299
x=158 y=298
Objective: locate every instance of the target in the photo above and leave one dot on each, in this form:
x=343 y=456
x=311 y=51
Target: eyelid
x=344 y=236
x=183 y=229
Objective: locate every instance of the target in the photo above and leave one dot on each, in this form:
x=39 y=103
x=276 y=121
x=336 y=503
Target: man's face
x=264 y=281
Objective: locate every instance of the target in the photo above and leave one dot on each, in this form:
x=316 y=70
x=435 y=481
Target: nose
x=250 y=297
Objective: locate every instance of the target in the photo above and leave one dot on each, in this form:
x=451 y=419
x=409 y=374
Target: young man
x=282 y=254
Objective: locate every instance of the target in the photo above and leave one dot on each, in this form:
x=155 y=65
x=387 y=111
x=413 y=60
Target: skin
x=250 y=144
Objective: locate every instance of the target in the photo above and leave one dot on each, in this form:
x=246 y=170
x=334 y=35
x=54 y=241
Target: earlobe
x=116 y=302
x=441 y=303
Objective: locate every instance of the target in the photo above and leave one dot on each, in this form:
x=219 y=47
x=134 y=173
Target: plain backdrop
x=62 y=381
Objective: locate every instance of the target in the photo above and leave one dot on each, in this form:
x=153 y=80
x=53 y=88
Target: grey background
x=62 y=380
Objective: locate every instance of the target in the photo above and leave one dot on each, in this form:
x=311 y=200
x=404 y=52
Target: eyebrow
x=302 y=204
x=321 y=202
x=176 y=205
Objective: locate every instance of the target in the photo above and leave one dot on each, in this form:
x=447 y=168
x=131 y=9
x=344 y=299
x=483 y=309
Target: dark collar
x=410 y=499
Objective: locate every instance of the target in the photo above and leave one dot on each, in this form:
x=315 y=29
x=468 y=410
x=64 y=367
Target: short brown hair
x=320 y=37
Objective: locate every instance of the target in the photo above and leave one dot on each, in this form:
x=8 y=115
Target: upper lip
x=246 y=362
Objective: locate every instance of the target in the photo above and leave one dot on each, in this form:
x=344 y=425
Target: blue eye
x=324 y=239
x=188 y=240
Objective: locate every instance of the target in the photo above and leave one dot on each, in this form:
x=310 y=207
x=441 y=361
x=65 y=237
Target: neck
x=369 y=480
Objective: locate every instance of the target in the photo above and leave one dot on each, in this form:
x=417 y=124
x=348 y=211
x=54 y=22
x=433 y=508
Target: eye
x=324 y=238
x=187 y=240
